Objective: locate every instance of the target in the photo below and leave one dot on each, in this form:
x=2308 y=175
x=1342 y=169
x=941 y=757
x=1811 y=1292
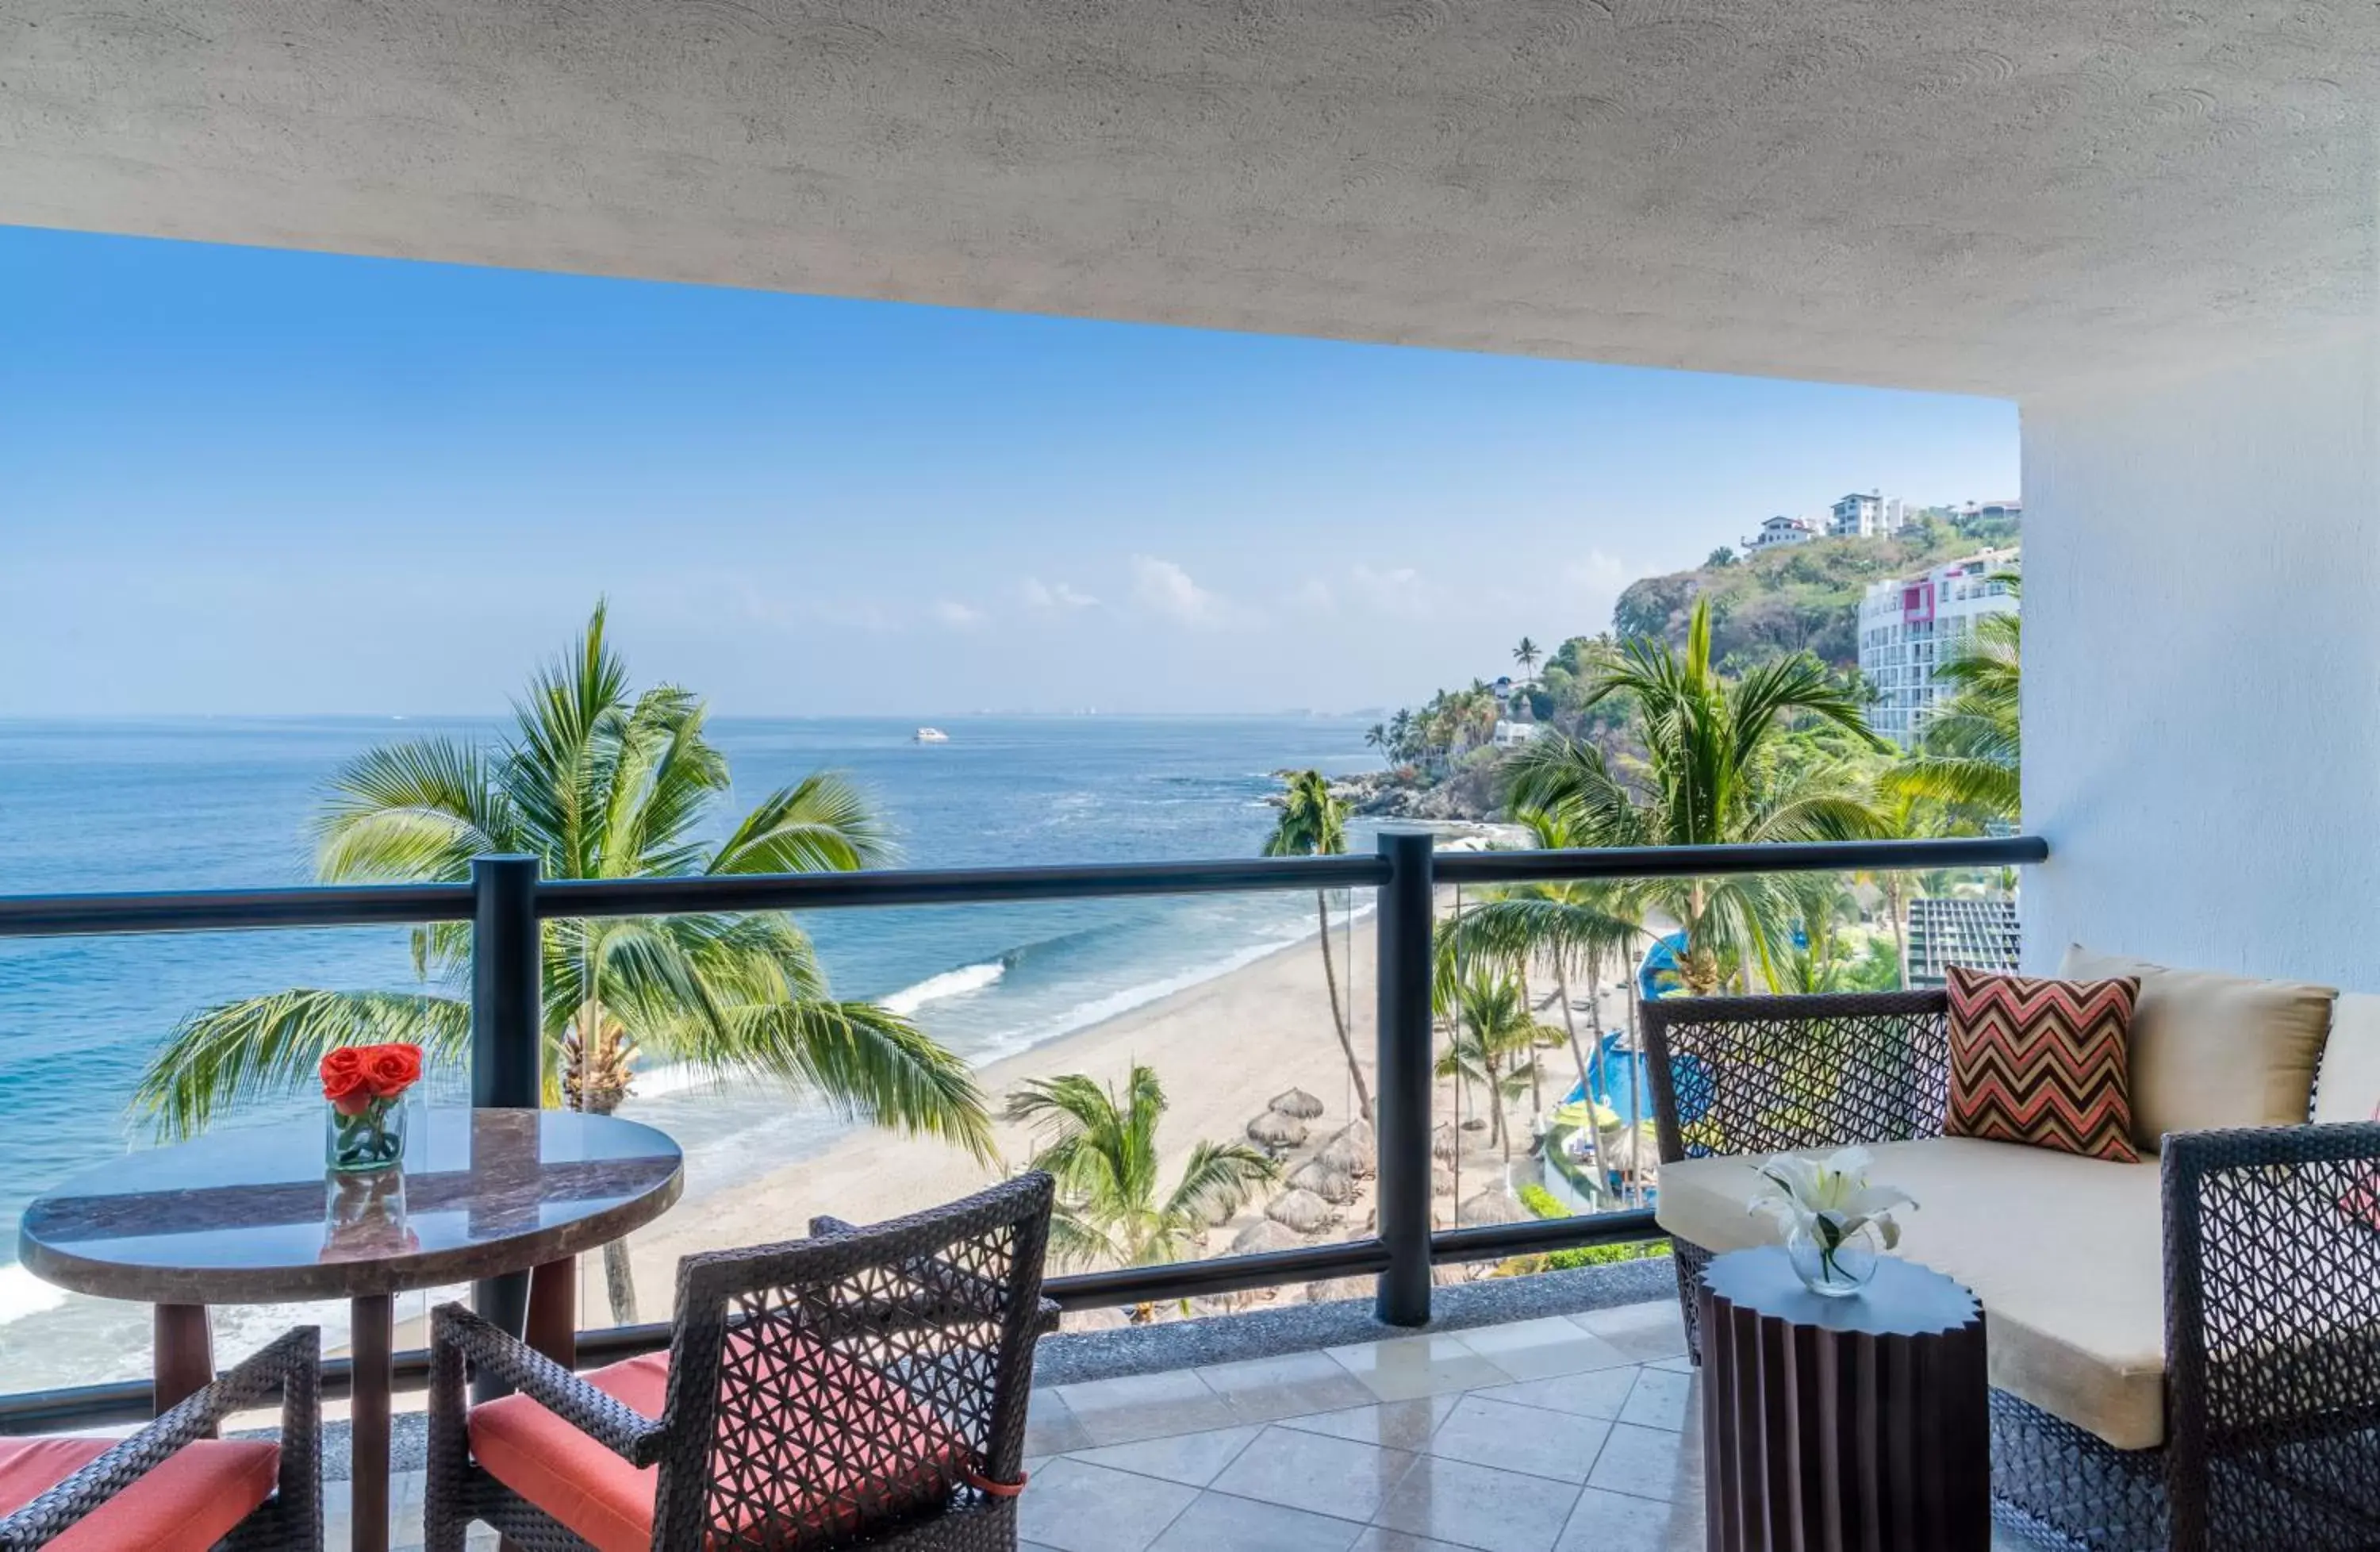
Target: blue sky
x=242 y=481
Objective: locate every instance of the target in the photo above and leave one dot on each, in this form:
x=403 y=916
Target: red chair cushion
x=186 y=1504
x=871 y=1449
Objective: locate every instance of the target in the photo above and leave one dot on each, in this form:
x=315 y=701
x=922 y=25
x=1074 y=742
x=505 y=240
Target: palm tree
x=1526 y=654
x=1713 y=774
x=1969 y=751
x=1907 y=814
x=1102 y=1153
x=1810 y=968
x=1567 y=924
x=596 y=780
x=1314 y=823
x=1377 y=737
x=1494 y=1036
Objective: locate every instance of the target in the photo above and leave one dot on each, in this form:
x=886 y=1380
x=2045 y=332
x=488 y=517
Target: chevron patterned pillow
x=2041 y=1062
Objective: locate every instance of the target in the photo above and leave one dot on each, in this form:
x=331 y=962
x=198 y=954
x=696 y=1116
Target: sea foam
x=22 y=1293
x=950 y=983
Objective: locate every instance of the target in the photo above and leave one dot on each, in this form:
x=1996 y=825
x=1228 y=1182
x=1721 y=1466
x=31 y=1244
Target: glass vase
x=364 y=1217
x=366 y=1142
x=1837 y=1272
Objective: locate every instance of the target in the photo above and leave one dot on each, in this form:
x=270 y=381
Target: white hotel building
x=1904 y=624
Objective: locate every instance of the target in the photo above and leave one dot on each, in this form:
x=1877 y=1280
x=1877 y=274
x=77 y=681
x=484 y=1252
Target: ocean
x=220 y=803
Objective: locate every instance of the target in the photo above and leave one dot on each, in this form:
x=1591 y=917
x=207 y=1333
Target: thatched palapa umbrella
x=1274 y=1130
x=1331 y=1185
x=1300 y=1210
x=1297 y=1102
x=1491 y=1206
x=1359 y=1133
x=1441 y=1182
x=1262 y=1235
x=1344 y=1157
x=1337 y=1289
x=1442 y=1145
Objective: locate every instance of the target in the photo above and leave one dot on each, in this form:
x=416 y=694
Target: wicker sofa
x=2185 y=1352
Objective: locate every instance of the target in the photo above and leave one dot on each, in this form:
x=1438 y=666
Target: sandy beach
x=1221 y=1048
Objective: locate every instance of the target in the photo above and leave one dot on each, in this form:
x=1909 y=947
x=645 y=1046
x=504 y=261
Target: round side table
x=1841 y=1424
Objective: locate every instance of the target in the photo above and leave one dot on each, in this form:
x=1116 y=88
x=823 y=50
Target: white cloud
x=957 y=615
x=1054 y=597
x=1399 y=590
x=1315 y=596
x=1598 y=571
x=1165 y=588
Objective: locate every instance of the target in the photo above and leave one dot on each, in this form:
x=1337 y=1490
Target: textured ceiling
x=2004 y=197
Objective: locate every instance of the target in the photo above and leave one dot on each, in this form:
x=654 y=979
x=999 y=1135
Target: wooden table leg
x=371 y=1319
x=182 y=1354
x=553 y=1311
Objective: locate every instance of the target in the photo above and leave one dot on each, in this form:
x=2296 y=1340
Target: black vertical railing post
x=507 y=1019
x=1401 y=1115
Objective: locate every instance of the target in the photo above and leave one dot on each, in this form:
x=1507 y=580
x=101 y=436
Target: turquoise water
x=221 y=803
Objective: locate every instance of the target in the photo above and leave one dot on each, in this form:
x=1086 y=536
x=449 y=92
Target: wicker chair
x=288 y=1520
x=862 y=1388
x=2271 y=1276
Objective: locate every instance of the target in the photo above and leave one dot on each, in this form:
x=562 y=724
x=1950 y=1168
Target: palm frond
x=821 y=824
x=1216 y=1180
x=864 y=1062
x=265 y=1047
x=412 y=812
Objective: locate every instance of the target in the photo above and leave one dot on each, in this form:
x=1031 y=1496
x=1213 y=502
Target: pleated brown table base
x=1855 y=1424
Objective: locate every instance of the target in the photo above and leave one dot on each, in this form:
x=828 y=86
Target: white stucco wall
x=2202 y=674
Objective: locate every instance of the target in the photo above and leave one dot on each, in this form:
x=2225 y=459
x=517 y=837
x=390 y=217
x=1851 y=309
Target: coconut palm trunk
x=594 y=1082
x=1537 y=1068
x=1895 y=893
x=1339 y=1022
x=1569 y=1024
x=1314 y=823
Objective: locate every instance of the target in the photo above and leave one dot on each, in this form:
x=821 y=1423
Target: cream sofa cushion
x=2066 y=1253
x=2210 y=1049
x=2350 y=1087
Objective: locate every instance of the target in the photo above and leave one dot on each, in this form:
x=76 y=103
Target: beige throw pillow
x=2349 y=1086
x=2210 y=1049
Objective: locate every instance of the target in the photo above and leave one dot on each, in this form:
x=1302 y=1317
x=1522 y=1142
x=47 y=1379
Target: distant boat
x=931 y=735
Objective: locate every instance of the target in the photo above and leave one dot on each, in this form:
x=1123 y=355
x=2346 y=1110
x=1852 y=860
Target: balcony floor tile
x=1466 y=1458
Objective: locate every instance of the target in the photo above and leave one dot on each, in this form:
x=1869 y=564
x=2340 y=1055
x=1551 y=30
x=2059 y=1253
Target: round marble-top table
x=247 y=1217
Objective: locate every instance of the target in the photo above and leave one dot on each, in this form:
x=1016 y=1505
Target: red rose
x=392 y=1069
x=344 y=1078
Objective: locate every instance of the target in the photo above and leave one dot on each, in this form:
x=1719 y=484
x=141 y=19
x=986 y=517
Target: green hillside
x=1805 y=596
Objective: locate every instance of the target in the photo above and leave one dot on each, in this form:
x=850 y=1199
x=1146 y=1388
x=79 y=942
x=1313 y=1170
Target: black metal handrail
x=1707 y=862
x=506 y=899
x=403 y=904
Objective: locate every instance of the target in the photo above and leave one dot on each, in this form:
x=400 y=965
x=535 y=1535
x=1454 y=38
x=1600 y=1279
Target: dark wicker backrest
x=1762 y=1074
x=2272 y=1248
x=827 y=1388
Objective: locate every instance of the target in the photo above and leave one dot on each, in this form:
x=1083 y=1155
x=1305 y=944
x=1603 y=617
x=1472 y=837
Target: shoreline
x=1220 y=1048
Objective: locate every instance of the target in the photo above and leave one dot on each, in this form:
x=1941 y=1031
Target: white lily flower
x=1829 y=1199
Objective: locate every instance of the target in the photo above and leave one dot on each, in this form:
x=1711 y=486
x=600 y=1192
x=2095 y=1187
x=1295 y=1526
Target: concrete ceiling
x=2001 y=197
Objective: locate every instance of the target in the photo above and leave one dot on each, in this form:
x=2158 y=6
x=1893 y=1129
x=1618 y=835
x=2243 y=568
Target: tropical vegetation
x=597 y=779
x=1101 y=1148
x=1719 y=768
x=1801 y=598
x=1573 y=926
x=1494 y=1040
